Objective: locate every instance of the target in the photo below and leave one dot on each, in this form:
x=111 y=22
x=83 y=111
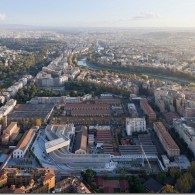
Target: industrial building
x=166 y=140
x=148 y=111
x=83 y=142
x=59 y=136
x=24 y=143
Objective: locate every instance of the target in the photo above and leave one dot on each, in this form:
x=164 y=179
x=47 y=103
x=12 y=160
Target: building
x=56 y=144
x=103 y=137
x=71 y=185
x=166 y=140
x=148 y=111
x=10 y=133
x=24 y=143
x=111 y=101
x=189 y=112
x=186 y=130
x=83 y=144
x=91 y=139
x=153 y=186
x=59 y=100
x=31 y=112
x=132 y=110
x=169 y=116
x=7 y=108
x=135 y=125
x=39 y=180
x=59 y=136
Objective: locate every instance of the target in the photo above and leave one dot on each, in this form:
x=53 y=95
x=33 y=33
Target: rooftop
x=25 y=139
x=54 y=142
x=167 y=137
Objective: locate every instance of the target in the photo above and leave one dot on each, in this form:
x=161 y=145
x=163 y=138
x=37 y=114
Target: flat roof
x=54 y=142
x=22 y=111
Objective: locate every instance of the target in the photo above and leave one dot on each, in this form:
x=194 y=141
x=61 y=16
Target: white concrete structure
x=100 y=127
x=59 y=136
x=56 y=144
x=135 y=125
x=58 y=100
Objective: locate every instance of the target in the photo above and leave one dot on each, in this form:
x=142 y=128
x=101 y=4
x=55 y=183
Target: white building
x=7 y=108
x=135 y=125
x=187 y=133
x=56 y=144
x=24 y=143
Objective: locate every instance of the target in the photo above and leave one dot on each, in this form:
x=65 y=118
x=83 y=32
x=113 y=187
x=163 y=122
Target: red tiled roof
x=83 y=106
x=159 y=127
x=90 y=112
x=144 y=104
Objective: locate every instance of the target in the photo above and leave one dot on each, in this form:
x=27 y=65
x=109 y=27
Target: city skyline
x=110 y=13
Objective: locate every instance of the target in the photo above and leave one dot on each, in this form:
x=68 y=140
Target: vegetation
x=89 y=178
x=158 y=72
x=135 y=185
x=31 y=91
x=25 y=64
x=185 y=183
x=79 y=88
x=168 y=189
x=38 y=122
x=36 y=54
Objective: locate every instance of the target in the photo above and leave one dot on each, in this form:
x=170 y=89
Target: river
x=82 y=62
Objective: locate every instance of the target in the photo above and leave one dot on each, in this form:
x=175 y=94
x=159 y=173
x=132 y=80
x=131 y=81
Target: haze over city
x=97 y=96
x=101 y=13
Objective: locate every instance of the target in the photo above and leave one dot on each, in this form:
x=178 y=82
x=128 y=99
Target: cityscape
x=97 y=103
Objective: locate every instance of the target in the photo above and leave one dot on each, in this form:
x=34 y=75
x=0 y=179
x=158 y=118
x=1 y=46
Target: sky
x=99 y=13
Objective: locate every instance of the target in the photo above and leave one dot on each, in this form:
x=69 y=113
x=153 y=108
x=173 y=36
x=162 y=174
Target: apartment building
x=186 y=131
x=10 y=133
x=148 y=111
x=135 y=125
x=39 y=180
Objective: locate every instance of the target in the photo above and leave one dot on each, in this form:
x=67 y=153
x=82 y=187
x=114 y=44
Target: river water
x=82 y=62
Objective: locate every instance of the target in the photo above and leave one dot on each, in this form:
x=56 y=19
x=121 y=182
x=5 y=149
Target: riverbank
x=158 y=73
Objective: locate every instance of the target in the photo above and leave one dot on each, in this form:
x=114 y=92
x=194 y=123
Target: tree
x=144 y=76
x=175 y=173
x=161 y=176
x=90 y=174
x=191 y=85
x=135 y=185
x=38 y=122
x=185 y=183
x=168 y=189
x=191 y=170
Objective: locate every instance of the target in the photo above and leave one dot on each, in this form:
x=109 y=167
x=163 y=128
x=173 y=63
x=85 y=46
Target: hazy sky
x=99 y=13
